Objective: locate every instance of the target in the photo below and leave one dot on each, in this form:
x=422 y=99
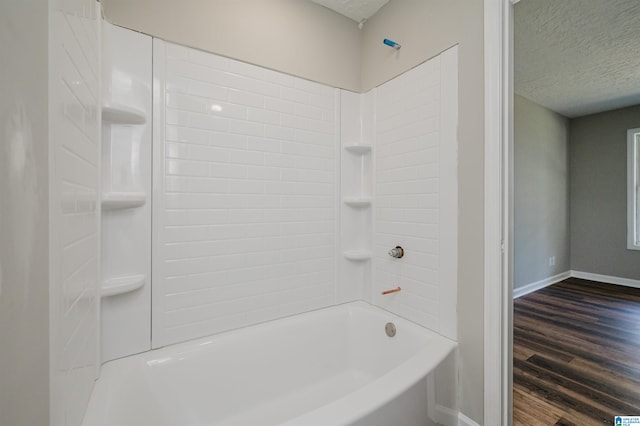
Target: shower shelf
x=122 y=114
x=357 y=201
x=123 y=200
x=357 y=255
x=358 y=148
x=121 y=285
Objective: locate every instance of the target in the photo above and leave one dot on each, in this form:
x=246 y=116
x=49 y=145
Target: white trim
x=337 y=193
x=608 y=279
x=439 y=413
x=465 y=421
x=627 y=282
x=370 y=100
x=535 y=286
x=158 y=63
x=98 y=313
x=497 y=246
x=448 y=218
x=633 y=188
x=445 y=416
x=492 y=214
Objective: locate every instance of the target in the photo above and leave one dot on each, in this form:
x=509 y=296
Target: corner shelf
x=357 y=201
x=358 y=148
x=122 y=285
x=122 y=114
x=357 y=255
x=123 y=200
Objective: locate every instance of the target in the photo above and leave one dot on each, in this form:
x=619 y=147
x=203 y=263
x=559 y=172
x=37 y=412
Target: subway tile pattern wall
x=74 y=122
x=415 y=194
x=244 y=194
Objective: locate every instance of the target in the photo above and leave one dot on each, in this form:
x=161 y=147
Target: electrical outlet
x=552 y=261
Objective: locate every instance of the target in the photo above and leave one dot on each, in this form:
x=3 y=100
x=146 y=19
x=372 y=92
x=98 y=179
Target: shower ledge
x=357 y=255
x=357 y=201
x=358 y=148
x=122 y=114
x=123 y=200
x=122 y=285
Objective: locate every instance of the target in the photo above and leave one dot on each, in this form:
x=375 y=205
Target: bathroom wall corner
x=356 y=200
x=126 y=193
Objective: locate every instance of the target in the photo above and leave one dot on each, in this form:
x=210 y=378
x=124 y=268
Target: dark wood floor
x=576 y=354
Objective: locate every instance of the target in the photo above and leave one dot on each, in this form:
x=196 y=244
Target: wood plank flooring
x=576 y=354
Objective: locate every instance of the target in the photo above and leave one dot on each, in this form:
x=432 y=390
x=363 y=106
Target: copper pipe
x=395 y=290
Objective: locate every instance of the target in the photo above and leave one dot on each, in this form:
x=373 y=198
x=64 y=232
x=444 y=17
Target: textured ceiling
x=578 y=57
x=358 y=10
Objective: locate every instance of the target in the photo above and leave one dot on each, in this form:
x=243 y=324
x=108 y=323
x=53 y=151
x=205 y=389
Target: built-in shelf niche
x=360 y=160
x=121 y=285
x=115 y=114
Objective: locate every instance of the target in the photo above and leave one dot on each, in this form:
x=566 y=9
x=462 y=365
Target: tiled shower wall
x=245 y=194
x=416 y=196
x=74 y=122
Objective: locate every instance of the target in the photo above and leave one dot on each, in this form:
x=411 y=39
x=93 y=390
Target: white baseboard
x=530 y=288
x=628 y=282
x=465 y=421
x=445 y=416
x=448 y=417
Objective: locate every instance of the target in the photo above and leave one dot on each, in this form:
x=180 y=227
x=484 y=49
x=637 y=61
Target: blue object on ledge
x=391 y=43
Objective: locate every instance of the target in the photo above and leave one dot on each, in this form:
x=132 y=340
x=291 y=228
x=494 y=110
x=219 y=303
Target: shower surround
x=263 y=208
x=272 y=196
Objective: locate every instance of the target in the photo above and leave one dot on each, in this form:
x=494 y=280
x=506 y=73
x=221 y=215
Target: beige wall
x=293 y=36
x=425 y=28
x=303 y=39
x=24 y=286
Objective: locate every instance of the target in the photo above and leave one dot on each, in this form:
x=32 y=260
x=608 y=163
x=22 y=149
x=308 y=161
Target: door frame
x=498 y=211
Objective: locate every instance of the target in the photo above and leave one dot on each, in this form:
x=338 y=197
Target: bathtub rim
x=364 y=401
x=197 y=342
x=343 y=410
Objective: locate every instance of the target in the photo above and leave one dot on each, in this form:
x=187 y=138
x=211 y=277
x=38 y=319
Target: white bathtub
x=334 y=366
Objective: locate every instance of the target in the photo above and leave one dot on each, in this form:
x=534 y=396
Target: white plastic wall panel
x=126 y=169
x=416 y=194
x=245 y=198
x=74 y=122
